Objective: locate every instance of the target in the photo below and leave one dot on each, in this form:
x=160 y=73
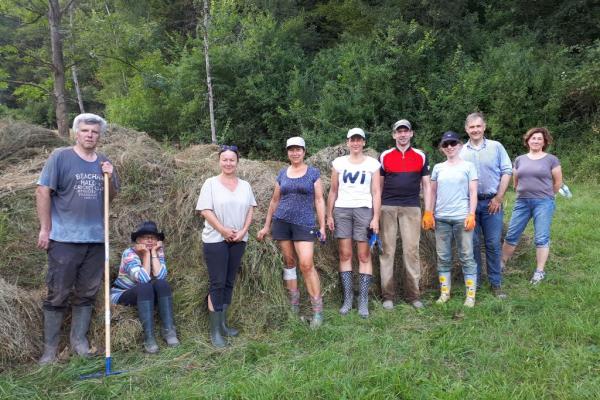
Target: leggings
x=223 y=261
x=145 y=291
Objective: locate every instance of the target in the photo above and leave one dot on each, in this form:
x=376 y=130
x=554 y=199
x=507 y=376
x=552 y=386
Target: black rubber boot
x=80 y=323
x=348 y=291
x=52 y=324
x=216 y=336
x=227 y=331
x=146 y=315
x=167 y=330
x=363 y=295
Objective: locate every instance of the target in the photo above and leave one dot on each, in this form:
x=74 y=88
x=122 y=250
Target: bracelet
x=154 y=257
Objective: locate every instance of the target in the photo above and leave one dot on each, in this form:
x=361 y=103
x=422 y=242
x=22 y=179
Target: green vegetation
x=540 y=343
x=315 y=68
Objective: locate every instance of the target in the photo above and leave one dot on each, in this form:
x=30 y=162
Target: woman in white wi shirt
x=353 y=208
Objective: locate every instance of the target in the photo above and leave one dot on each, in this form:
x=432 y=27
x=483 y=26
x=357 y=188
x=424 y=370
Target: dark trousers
x=76 y=267
x=223 y=261
x=145 y=291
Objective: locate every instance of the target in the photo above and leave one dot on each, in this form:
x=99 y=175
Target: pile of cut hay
x=161 y=184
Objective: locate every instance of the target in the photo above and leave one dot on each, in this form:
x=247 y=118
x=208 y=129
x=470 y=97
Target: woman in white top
x=353 y=208
x=227 y=204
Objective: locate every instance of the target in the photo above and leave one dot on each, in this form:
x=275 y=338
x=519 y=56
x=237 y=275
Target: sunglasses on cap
x=450 y=143
x=225 y=147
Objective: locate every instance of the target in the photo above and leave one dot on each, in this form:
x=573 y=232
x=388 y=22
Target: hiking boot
x=316 y=321
x=498 y=292
x=537 y=277
x=388 y=305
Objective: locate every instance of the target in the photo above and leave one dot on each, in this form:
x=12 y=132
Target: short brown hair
x=545 y=133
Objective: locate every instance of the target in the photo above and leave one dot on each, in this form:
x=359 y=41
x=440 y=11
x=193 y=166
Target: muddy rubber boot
x=227 y=330
x=80 y=323
x=146 y=315
x=363 y=295
x=216 y=336
x=471 y=289
x=347 y=290
x=52 y=324
x=445 y=285
x=167 y=328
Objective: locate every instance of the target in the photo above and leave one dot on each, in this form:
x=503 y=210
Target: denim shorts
x=541 y=210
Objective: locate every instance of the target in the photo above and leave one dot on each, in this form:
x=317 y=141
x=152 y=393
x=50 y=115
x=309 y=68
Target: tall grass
x=540 y=343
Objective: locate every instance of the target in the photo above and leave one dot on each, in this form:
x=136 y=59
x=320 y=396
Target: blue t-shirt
x=491 y=160
x=77 y=197
x=452 y=196
x=297 y=200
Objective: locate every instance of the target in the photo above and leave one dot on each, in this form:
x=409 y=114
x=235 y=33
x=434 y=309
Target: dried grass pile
x=161 y=184
x=21 y=323
x=20 y=141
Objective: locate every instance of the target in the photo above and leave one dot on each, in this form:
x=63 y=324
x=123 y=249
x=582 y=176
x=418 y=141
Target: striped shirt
x=132 y=273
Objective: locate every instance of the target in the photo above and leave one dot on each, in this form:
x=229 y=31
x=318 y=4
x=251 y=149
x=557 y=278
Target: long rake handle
x=106 y=272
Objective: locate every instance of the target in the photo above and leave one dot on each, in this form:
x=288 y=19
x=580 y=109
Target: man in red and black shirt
x=404 y=170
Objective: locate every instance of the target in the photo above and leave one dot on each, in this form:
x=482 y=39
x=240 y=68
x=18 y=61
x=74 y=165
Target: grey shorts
x=352 y=223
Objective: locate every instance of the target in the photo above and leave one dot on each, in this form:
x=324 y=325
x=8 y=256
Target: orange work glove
x=428 y=223
x=470 y=222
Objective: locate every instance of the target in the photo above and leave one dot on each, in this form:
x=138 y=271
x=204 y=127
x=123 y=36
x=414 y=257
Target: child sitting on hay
x=142 y=283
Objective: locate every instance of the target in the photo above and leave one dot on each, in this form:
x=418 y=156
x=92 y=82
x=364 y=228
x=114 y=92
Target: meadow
x=540 y=343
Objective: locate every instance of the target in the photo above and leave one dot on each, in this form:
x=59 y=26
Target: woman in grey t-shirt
x=537 y=177
x=227 y=204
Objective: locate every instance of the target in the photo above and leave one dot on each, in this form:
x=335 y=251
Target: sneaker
x=417 y=304
x=388 y=305
x=469 y=302
x=537 y=277
x=498 y=292
x=444 y=297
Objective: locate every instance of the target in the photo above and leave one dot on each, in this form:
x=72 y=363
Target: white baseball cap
x=295 y=141
x=356 y=131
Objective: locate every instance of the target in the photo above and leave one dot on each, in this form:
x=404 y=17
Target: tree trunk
x=58 y=68
x=213 y=128
x=74 y=67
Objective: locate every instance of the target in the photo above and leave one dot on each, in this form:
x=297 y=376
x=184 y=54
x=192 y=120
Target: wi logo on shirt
x=352 y=177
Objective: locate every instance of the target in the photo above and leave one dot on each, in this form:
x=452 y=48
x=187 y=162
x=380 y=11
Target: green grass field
x=541 y=343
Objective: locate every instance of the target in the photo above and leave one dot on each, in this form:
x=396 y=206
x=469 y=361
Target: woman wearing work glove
x=454 y=193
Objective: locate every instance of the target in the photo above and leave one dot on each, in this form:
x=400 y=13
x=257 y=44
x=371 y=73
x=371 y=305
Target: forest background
x=313 y=68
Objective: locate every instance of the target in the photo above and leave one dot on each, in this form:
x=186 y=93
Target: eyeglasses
x=450 y=143
x=225 y=147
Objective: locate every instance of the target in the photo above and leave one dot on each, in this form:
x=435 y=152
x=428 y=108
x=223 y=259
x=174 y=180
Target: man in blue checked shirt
x=494 y=169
